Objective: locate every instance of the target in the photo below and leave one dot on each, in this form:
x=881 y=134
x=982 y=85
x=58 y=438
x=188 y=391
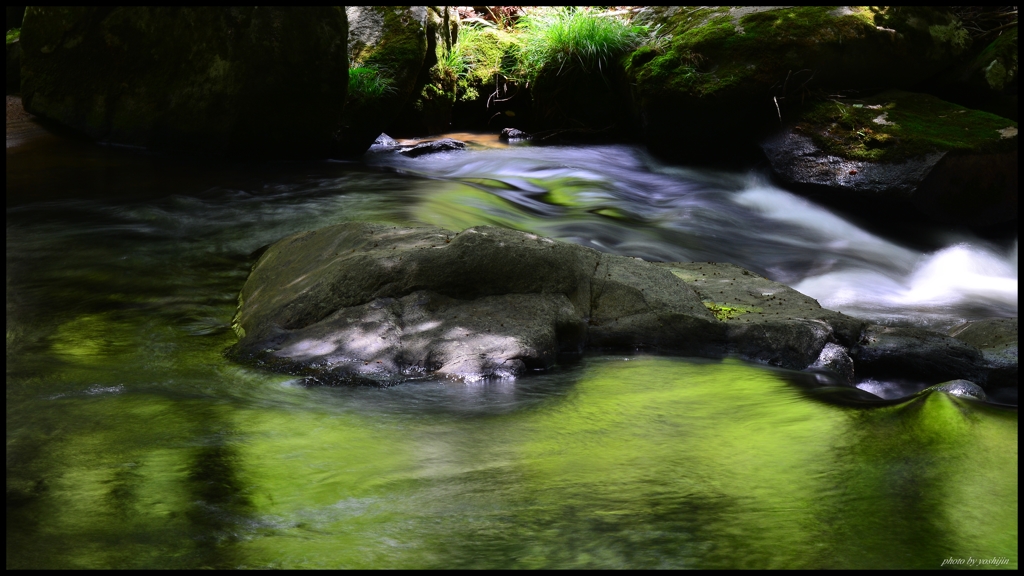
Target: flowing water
x=132 y=441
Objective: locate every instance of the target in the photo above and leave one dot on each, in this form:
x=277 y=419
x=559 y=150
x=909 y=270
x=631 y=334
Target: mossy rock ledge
x=901 y=151
x=210 y=80
x=722 y=76
x=371 y=303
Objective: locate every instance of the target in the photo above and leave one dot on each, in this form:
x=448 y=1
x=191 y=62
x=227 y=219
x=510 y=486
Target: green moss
x=895 y=126
x=485 y=50
x=404 y=45
x=13 y=35
x=713 y=49
x=726 y=312
x=953 y=34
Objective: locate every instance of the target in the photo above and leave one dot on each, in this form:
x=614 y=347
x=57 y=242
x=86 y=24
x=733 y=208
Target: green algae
x=725 y=312
x=642 y=462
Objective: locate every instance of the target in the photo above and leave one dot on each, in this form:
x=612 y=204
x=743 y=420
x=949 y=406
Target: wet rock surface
x=369 y=302
x=512 y=134
x=962 y=389
x=836 y=359
x=766 y=321
x=432 y=147
x=916 y=353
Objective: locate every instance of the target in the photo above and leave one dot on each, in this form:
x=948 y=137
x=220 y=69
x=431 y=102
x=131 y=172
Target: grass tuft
x=368 y=83
x=575 y=39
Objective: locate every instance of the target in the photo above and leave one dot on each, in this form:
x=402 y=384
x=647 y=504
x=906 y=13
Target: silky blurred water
x=133 y=443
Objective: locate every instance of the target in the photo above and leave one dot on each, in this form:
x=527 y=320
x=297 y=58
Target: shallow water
x=132 y=442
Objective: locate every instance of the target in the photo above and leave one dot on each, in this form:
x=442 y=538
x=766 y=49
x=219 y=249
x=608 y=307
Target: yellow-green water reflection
x=645 y=462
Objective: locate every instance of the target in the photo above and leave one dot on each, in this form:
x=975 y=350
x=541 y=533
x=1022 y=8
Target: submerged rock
x=903 y=151
x=220 y=80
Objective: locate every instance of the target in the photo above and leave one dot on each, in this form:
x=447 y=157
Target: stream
x=133 y=443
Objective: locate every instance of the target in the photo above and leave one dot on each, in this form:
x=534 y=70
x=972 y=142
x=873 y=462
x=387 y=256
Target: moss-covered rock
x=723 y=74
x=392 y=42
x=239 y=80
x=950 y=163
x=489 y=95
x=429 y=111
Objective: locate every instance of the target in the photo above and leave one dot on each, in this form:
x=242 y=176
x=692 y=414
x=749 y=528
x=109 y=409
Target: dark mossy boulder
x=904 y=152
x=212 y=80
x=387 y=46
x=723 y=76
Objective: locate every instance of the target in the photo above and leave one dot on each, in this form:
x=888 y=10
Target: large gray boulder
x=361 y=300
x=215 y=80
